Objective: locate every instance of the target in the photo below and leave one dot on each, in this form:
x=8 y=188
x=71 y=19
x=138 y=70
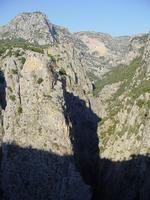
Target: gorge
x=75 y=113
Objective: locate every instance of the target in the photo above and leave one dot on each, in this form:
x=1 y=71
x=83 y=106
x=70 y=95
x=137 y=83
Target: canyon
x=74 y=114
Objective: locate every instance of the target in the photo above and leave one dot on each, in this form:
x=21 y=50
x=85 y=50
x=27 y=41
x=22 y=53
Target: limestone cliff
x=37 y=154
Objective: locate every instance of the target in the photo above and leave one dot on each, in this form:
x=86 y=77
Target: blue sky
x=117 y=17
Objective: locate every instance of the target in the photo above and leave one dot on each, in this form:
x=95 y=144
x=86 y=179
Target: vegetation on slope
x=123 y=73
x=133 y=85
x=19 y=43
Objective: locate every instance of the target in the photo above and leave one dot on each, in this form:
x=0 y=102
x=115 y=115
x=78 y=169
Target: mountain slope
x=106 y=51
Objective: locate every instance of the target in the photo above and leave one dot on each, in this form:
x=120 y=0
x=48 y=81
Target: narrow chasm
x=84 y=139
x=3 y=102
x=108 y=179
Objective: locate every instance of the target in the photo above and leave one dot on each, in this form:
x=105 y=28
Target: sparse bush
x=12 y=97
x=10 y=89
x=19 y=110
x=19 y=43
x=140 y=103
x=49 y=55
x=40 y=80
x=47 y=96
x=17 y=53
x=36 y=49
x=2 y=50
x=52 y=57
x=62 y=72
x=9 y=53
x=14 y=71
x=23 y=60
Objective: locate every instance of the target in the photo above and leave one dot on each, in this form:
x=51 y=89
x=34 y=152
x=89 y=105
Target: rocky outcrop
x=36 y=134
x=35 y=28
x=37 y=153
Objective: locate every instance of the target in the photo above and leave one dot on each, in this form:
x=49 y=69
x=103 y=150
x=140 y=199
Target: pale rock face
x=31 y=97
x=32 y=27
x=36 y=130
x=95 y=45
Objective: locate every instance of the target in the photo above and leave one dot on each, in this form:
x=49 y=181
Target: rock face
x=74 y=119
x=38 y=160
x=105 y=51
x=36 y=138
x=34 y=27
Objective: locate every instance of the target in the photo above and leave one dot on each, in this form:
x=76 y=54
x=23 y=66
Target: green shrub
x=56 y=146
x=12 y=97
x=23 y=60
x=10 y=89
x=2 y=50
x=9 y=53
x=19 y=110
x=140 y=103
x=49 y=55
x=52 y=57
x=17 y=53
x=36 y=49
x=47 y=96
x=19 y=43
x=62 y=72
x=14 y=71
x=40 y=80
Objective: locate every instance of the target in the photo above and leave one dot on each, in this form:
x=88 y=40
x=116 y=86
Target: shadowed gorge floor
x=27 y=177
x=33 y=174
x=83 y=136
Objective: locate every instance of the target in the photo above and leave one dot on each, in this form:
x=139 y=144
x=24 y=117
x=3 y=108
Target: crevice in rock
x=19 y=94
x=1 y=139
x=3 y=101
x=3 y=104
x=51 y=69
x=83 y=137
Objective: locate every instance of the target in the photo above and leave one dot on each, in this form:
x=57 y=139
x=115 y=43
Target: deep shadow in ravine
x=2 y=91
x=124 y=180
x=34 y=174
x=83 y=123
